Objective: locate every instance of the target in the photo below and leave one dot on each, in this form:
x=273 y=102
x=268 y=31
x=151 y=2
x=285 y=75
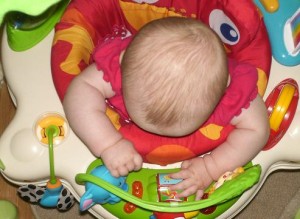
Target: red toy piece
x=281 y=105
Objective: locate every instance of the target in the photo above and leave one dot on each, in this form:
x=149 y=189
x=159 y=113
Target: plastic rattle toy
x=54 y=194
x=148 y=195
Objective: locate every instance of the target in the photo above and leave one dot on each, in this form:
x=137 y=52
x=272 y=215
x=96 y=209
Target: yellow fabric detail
x=262 y=81
x=113 y=117
x=211 y=131
x=138 y=15
x=77 y=37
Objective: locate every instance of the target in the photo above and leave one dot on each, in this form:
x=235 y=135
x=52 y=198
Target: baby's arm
x=242 y=145
x=85 y=106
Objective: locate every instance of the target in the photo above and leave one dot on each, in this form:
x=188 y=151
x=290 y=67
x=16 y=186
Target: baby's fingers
x=199 y=195
x=134 y=165
x=182 y=174
x=186 y=164
x=121 y=170
x=114 y=172
x=130 y=166
x=138 y=162
x=184 y=188
x=187 y=192
x=183 y=185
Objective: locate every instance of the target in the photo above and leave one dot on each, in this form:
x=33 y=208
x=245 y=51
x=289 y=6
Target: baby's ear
x=121 y=55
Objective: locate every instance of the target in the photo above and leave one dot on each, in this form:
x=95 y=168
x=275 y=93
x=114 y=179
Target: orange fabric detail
x=113 y=117
x=82 y=47
x=75 y=17
x=167 y=154
x=262 y=81
x=212 y=131
x=137 y=15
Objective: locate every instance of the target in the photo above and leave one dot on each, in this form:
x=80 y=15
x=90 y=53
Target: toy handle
x=51 y=132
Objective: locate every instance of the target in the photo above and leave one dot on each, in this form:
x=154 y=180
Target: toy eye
x=224 y=27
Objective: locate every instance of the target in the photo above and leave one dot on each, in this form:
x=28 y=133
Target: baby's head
x=174 y=73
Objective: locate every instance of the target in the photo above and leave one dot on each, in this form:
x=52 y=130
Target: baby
x=174 y=72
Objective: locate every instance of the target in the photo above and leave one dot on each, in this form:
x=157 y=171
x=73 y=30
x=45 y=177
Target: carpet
x=279 y=198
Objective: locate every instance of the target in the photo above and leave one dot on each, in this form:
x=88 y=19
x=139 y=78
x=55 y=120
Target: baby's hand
x=195 y=178
x=121 y=158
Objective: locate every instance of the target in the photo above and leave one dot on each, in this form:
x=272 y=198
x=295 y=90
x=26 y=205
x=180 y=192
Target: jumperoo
x=47 y=43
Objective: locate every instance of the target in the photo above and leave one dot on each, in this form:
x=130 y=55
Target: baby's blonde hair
x=174 y=72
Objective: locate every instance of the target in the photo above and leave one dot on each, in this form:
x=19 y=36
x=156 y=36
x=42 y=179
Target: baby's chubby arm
x=84 y=105
x=242 y=145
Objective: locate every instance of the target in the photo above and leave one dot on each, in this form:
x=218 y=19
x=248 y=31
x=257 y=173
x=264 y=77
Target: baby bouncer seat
x=40 y=129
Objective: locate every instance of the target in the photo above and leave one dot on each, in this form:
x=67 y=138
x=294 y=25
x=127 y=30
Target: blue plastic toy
x=97 y=195
x=282 y=19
